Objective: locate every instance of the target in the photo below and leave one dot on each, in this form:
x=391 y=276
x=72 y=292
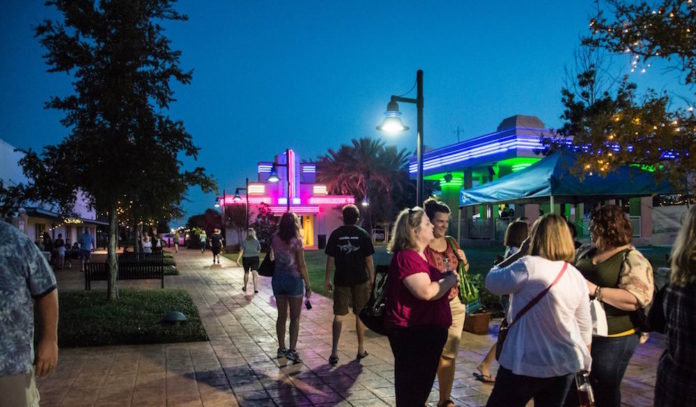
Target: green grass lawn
x=88 y=319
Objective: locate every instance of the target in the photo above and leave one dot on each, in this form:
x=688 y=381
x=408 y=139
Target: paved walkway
x=238 y=365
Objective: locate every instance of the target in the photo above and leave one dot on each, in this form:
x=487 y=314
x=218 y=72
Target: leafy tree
x=617 y=126
x=265 y=225
x=368 y=169
x=123 y=149
x=236 y=217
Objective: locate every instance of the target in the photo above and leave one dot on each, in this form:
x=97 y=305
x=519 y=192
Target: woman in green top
x=249 y=254
x=622 y=280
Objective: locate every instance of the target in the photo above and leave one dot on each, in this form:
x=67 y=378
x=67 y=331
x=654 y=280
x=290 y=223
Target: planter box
x=477 y=323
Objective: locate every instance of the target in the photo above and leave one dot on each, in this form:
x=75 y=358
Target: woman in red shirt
x=417 y=309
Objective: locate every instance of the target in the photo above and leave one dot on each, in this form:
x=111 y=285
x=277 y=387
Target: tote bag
x=267 y=267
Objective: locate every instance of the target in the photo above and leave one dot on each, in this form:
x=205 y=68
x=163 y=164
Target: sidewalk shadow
x=335 y=383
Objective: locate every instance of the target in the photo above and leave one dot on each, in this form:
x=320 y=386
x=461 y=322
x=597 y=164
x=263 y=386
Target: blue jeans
x=516 y=390
x=610 y=357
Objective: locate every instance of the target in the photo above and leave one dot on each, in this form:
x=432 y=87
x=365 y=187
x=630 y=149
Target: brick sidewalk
x=238 y=365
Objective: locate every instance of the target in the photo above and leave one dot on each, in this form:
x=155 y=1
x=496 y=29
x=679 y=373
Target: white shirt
x=551 y=338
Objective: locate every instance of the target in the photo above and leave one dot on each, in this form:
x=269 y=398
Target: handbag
x=505 y=327
x=372 y=314
x=267 y=267
x=468 y=292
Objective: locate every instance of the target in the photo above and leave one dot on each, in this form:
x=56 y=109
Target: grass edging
x=88 y=319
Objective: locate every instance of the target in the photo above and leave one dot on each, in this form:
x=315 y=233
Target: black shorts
x=216 y=250
x=250 y=263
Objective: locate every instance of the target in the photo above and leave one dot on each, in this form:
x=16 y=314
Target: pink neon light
x=296 y=209
x=331 y=200
x=291 y=174
x=229 y=200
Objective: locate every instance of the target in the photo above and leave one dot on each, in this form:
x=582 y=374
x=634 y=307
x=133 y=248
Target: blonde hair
x=684 y=251
x=551 y=239
x=251 y=234
x=407 y=222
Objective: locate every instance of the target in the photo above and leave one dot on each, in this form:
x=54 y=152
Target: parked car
x=168 y=239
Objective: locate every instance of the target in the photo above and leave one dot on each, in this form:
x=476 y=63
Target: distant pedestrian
x=147 y=245
x=249 y=254
x=417 y=313
x=59 y=248
x=47 y=242
x=550 y=324
x=86 y=247
x=676 y=372
x=290 y=280
x=350 y=251
x=27 y=284
x=176 y=241
x=204 y=241
x=216 y=244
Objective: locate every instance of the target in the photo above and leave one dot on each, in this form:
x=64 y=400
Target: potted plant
x=478 y=321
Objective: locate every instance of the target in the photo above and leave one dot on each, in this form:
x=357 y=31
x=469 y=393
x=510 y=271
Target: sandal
x=484 y=378
x=333 y=360
x=446 y=403
x=361 y=355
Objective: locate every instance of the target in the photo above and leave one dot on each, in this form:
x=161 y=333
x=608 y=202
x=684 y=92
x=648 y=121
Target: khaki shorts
x=344 y=296
x=454 y=333
x=19 y=390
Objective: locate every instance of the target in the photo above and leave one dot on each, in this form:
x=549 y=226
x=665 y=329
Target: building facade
x=319 y=212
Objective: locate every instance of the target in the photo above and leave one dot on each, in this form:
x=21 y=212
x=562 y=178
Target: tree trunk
x=111 y=257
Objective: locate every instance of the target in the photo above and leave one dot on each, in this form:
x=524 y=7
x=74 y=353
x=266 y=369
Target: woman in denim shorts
x=290 y=281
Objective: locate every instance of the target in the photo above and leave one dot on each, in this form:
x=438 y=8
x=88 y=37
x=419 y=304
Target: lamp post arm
x=404 y=100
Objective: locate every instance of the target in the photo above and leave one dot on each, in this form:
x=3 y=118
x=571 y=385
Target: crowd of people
x=571 y=312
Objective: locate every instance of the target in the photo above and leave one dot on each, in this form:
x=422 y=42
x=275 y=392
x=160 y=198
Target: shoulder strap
x=540 y=295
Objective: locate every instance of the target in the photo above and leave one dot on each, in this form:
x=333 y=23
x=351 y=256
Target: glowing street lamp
x=392 y=124
x=274 y=176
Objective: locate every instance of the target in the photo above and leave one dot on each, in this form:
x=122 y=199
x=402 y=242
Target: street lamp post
x=274 y=176
x=392 y=124
x=237 y=198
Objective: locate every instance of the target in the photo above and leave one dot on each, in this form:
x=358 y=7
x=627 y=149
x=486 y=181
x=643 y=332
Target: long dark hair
x=287 y=227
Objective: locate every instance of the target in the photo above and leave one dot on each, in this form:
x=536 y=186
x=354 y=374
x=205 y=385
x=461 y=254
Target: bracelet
x=598 y=293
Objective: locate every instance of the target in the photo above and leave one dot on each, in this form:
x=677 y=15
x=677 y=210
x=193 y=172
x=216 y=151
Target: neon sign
x=331 y=200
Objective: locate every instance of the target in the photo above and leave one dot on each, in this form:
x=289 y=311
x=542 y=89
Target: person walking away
x=216 y=242
x=176 y=241
x=249 y=254
x=26 y=282
x=86 y=248
x=444 y=253
x=59 y=247
x=622 y=280
x=515 y=234
x=550 y=328
x=204 y=241
x=676 y=372
x=417 y=312
x=289 y=281
x=350 y=251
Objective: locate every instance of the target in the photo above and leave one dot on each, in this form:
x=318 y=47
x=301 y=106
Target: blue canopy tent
x=551 y=179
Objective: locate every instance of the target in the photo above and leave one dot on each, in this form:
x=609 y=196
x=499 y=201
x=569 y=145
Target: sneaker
x=281 y=353
x=293 y=355
x=333 y=360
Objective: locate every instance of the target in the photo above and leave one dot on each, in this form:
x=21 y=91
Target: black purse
x=267 y=267
x=372 y=315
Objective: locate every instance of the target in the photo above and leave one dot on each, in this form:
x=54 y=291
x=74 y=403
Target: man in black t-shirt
x=350 y=250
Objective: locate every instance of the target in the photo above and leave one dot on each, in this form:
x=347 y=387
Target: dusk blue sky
x=312 y=75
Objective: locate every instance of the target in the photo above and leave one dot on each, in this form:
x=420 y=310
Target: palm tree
x=368 y=169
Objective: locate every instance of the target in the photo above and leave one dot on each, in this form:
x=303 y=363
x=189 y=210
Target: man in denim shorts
x=350 y=250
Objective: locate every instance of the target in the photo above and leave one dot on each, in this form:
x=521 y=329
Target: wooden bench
x=130 y=267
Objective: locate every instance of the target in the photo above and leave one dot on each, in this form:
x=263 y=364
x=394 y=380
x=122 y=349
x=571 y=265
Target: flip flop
x=361 y=355
x=333 y=360
x=483 y=378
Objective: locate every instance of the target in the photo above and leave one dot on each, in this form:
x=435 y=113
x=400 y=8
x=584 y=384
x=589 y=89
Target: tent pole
x=552 y=204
